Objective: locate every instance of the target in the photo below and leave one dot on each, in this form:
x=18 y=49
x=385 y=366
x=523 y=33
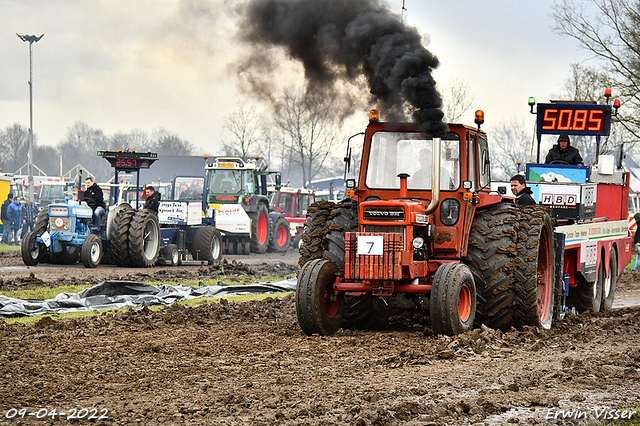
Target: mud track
x=249 y=364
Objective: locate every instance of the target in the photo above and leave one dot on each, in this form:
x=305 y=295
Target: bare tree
x=610 y=30
x=457 y=100
x=244 y=125
x=81 y=145
x=511 y=143
x=309 y=123
x=15 y=142
x=167 y=143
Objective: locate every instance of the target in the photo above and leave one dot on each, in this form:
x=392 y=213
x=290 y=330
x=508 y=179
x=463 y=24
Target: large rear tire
x=318 y=306
x=41 y=224
x=344 y=218
x=260 y=229
x=489 y=256
x=91 y=252
x=119 y=238
x=609 y=287
x=313 y=239
x=512 y=258
x=281 y=238
x=207 y=244
x=535 y=269
x=144 y=238
x=452 y=300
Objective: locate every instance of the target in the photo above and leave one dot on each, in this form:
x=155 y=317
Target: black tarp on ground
x=119 y=294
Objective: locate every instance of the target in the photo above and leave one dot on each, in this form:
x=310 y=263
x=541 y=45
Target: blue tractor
x=63 y=232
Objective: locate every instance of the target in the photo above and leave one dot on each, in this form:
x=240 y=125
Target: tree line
x=80 y=147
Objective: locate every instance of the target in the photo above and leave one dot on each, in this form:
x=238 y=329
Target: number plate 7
x=370 y=245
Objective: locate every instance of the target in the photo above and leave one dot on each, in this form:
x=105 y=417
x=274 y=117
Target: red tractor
x=291 y=205
x=423 y=230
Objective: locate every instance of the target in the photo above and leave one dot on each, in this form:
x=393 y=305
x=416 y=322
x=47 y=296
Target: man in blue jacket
x=14 y=216
x=5 y=219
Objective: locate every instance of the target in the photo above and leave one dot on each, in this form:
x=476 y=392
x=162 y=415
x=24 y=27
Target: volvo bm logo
x=384 y=214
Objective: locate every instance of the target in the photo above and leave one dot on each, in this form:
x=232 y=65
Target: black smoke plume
x=344 y=39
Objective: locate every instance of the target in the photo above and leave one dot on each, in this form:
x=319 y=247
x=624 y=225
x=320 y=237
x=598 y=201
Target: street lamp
x=31 y=39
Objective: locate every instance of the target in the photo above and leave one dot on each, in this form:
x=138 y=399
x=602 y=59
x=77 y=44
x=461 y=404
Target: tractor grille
x=373 y=267
x=384 y=229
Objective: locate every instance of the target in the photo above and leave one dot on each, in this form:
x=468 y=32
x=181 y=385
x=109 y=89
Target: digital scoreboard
x=574 y=119
x=129 y=159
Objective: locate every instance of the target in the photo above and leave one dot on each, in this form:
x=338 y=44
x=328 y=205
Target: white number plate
x=46 y=238
x=371 y=245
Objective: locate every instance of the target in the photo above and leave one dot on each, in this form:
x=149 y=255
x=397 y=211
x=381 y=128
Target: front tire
x=30 y=249
x=453 y=300
x=91 y=252
x=319 y=307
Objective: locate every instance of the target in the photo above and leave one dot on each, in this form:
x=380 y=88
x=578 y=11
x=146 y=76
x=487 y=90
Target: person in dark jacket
x=564 y=152
x=95 y=199
x=636 y=241
x=521 y=191
x=29 y=213
x=153 y=199
x=14 y=218
x=5 y=219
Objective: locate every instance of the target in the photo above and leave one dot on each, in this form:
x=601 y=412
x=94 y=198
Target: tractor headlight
x=58 y=222
x=418 y=242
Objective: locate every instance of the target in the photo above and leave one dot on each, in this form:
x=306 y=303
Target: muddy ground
x=249 y=364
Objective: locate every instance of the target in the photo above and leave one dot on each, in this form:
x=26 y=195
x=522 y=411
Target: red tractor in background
x=437 y=239
x=290 y=204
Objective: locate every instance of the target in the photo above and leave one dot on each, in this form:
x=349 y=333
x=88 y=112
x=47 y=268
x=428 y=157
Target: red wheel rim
x=262 y=229
x=282 y=236
x=545 y=276
x=464 y=303
x=331 y=302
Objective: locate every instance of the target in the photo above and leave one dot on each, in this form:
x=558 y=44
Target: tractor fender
x=255 y=201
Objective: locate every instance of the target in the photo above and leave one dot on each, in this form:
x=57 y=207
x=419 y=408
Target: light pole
x=31 y=39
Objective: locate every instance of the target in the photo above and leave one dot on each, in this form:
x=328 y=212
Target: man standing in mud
x=521 y=191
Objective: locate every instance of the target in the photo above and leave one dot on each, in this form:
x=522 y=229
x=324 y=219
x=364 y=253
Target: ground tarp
x=119 y=294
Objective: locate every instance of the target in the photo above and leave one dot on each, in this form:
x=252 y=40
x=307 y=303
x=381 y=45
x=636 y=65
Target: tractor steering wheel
x=560 y=162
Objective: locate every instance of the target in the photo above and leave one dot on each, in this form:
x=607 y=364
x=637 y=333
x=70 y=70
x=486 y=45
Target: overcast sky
x=119 y=65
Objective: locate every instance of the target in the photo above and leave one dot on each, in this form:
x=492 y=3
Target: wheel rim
x=150 y=238
x=464 y=303
x=95 y=252
x=262 y=229
x=215 y=248
x=545 y=276
x=35 y=247
x=607 y=285
x=282 y=236
x=331 y=301
x=174 y=256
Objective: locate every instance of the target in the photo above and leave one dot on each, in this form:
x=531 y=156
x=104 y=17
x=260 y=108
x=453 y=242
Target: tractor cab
x=429 y=186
